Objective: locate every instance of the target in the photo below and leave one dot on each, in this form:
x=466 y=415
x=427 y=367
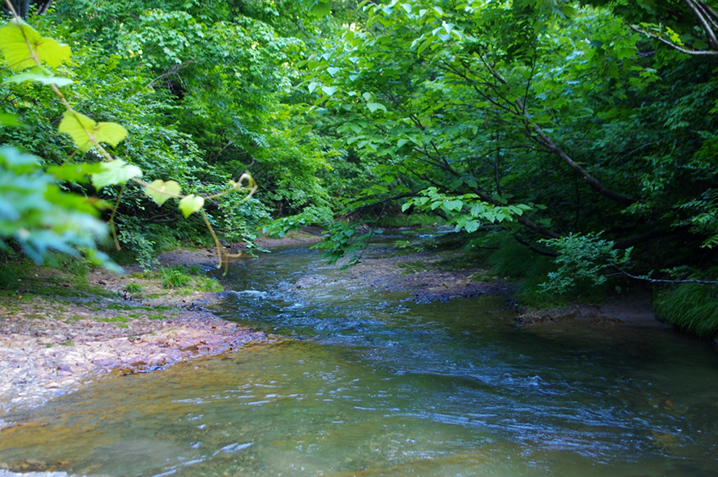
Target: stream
x=372 y=383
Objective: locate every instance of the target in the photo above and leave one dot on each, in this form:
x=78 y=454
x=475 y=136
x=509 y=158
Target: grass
x=174 y=277
x=691 y=307
x=188 y=278
x=133 y=288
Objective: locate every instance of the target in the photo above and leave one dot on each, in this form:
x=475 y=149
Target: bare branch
x=659 y=280
x=704 y=24
x=673 y=45
x=523 y=242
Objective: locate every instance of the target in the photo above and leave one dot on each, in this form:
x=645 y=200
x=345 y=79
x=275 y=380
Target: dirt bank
x=428 y=275
x=440 y=275
x=58 y=331
x=629 y=309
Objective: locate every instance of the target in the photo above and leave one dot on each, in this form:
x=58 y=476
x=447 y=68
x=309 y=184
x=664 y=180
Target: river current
x=372 y=383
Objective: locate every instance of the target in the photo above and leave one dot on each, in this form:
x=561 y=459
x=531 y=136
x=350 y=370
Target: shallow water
x=377 y=385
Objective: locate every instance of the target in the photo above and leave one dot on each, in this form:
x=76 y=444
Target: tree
x=517 y=113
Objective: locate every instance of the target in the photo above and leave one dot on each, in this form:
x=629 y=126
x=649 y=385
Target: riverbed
x=373 y=381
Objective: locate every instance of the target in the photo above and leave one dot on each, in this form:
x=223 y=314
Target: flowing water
x=373 y=384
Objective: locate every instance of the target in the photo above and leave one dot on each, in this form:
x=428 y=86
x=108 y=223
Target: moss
x=207 y=284
x=692 y=307
x=114 y=319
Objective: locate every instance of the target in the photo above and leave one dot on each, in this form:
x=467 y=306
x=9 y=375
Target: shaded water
x=376 y=385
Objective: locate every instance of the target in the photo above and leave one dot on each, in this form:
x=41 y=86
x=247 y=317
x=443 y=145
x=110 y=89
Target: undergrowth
x=187 y=277
x=512 y=260
x=691 y=307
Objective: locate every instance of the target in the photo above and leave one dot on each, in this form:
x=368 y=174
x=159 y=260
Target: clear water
x=376 y=385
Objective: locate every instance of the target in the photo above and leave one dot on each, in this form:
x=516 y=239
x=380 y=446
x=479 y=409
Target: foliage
x=590 y=127
x=189 y=278
x=691 y=307
x=503 y=113
x=467 y=211
x=310 y=215
x=22 y=48
x=133 y=288
x=584 y=258
x=38 y=215
x=345 y=238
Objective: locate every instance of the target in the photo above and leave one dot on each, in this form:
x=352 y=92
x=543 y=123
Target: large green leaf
x=374 y=106
x=7 y=119
x=321 y=8
x=85 y=132
x=16 y=40
x=39 y=77
x=161 y=191
x=115 y=172
x=75 y=172
x=191 y=204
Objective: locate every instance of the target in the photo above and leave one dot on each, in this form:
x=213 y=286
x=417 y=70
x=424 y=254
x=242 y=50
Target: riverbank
x=57 y=333
x=445 y=274
x=59 y=330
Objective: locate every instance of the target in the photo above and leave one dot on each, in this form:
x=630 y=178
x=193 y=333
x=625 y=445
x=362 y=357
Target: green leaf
x=329 y=90
x=7 y=119
x=161 y=191
x=83 y=130
x=39 y=78
x=472 y=226
x=115 y=172
x=75 y=172
x=190 y=204
x=321 y=8
x=374 y=106
x=14 y=41
x=452 y=205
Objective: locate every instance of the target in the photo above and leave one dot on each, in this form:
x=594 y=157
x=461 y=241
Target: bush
x=510 y=259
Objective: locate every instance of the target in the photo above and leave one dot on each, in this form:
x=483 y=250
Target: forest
x=572 y=143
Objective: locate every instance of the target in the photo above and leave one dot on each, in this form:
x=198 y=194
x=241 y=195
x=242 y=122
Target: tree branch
x=659 y=280
x=374 y=204
x=594 y=183
x=704 y=24
x=534 y=249
x=673 y=45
